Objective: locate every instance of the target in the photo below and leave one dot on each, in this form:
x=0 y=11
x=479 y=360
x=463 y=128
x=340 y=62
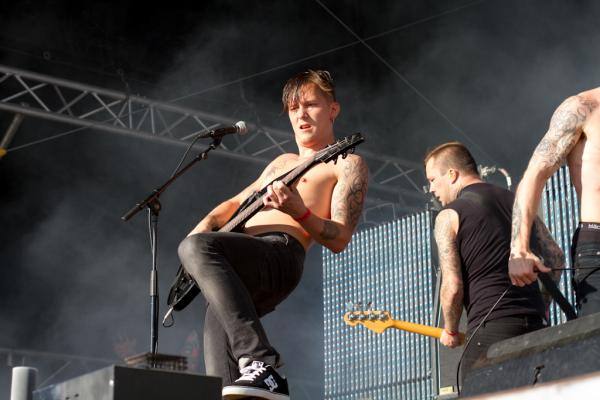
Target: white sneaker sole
x=239 y=392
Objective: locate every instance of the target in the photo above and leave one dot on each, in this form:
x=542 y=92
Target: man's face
x=313 y=114
x=440 y=181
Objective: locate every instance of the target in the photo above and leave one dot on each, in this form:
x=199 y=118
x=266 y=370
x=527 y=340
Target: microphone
x=239 y=128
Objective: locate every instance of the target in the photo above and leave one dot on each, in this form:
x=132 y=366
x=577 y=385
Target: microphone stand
x=153 y=205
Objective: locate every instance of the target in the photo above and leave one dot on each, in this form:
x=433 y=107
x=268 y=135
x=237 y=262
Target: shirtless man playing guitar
x=245 y=275
x=574 y=135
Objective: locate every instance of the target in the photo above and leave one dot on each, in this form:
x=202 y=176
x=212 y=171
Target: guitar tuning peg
x=358 y=306
x=344 y=155
x=369 y=306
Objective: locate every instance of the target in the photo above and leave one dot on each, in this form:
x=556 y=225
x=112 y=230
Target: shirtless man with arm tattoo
x=244 y=276
x=574 y=136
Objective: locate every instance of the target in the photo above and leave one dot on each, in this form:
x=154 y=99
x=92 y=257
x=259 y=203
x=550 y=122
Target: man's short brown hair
x=453 y=155
x=291 y=90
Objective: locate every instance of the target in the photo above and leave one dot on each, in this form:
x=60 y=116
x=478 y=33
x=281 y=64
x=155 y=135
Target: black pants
x=494 y=331
x=242 y=278
x=585 y=252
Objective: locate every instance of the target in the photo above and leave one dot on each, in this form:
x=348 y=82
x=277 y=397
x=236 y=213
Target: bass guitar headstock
x=374 y=320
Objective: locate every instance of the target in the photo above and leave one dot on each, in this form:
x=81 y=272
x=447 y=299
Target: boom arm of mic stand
x=152 y=199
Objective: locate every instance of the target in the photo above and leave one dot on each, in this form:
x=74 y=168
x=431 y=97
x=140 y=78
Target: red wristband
x=304 y=216
x=451 y=333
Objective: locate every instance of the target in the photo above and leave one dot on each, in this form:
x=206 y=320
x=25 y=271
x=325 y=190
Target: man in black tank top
x=473 y=233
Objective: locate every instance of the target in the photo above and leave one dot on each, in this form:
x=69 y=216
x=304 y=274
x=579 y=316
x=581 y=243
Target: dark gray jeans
x=585 y=252
x=242 y=278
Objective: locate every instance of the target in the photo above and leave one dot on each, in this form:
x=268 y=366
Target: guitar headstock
x=340 y=148
x=374 y=320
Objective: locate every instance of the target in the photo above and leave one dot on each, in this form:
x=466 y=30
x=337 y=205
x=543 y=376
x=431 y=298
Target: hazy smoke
x=75 y=278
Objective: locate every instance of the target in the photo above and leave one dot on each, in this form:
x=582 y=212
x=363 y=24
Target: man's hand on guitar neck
x=285 y=199
x=450 y=339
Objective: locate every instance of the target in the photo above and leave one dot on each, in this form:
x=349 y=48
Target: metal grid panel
x=391 y=266
x=560 y=212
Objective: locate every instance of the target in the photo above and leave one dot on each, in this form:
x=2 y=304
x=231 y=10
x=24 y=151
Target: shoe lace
x=251 y=372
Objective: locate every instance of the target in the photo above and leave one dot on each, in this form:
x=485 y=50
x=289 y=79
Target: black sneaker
x=258 y=380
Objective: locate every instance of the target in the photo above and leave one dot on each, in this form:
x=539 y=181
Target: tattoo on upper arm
x=446 y=242
x=564 y=131
x=449 y=259
x=350 y=192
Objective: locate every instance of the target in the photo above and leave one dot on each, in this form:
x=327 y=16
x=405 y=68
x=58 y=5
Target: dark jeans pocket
x=587 y=258
x=586 y=279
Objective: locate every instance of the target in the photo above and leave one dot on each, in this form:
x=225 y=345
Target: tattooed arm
x=223 y=212
x=546 y=248
x=564 y=132
x=552 y=255
x=347 y=202
x=451 y=292
x=219 y=215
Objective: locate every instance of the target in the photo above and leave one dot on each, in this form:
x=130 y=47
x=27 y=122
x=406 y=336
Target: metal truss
x=395 y=183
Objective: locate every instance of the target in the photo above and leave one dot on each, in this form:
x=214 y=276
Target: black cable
x=468 y=341
x=185 y=155
x=473 y=335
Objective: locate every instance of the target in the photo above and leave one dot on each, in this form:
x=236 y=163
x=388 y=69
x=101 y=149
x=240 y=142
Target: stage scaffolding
x=395 y=183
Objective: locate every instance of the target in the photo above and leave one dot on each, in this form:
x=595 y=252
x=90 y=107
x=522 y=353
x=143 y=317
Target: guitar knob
x=362 y=317
x=351 y=317
x=382 y=317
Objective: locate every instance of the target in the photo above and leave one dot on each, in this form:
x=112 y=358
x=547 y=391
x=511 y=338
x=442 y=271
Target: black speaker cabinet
x=553 y=353
x=127 y=383
x=448 y=361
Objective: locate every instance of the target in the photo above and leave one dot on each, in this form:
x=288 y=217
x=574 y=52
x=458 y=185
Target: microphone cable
x=172 y=175
x=468 y=341
x=185 y=155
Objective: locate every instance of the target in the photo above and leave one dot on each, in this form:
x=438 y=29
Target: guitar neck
x=426 y=330
x=418 y=328
x=244 y=215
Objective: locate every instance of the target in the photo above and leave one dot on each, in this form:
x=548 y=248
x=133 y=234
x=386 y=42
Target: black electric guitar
x=184 y=289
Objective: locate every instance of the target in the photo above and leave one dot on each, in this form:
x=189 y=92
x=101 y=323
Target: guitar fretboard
x=257 y=204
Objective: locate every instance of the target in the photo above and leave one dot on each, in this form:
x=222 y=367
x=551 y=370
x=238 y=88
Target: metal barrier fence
x=560 y=212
